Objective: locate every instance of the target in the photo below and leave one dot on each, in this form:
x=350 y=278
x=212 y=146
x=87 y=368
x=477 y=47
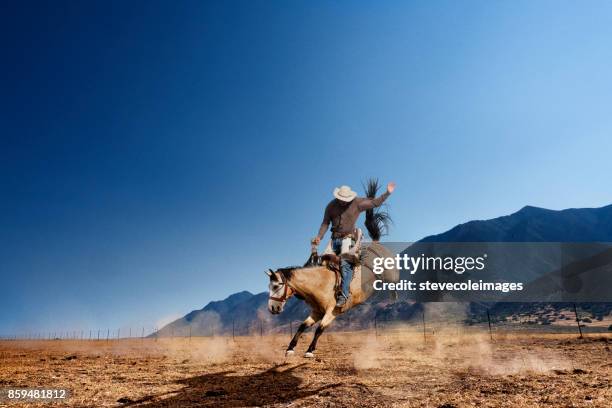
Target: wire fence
x=84 y=334
x=419 y=323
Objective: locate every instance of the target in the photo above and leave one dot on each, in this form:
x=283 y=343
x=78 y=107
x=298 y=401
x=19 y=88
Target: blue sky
x=155 y=156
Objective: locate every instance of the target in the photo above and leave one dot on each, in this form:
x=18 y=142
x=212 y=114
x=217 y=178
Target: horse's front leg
x=310 y=320
x=325 y=322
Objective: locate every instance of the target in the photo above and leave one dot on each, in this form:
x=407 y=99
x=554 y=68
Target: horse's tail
x=377 y=220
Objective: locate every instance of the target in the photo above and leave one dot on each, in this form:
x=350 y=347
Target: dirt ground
x=396 y=368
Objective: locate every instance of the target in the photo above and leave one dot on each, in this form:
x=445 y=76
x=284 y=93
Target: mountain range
x=534 y=224
x=246 y=313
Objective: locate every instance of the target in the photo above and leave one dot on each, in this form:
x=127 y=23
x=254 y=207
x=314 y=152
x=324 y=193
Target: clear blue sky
x=155 y=156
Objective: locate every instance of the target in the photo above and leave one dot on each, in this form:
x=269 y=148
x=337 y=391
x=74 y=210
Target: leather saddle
x=332 y=262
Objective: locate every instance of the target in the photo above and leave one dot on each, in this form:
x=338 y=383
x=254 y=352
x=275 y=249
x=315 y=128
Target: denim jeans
x=346 y=269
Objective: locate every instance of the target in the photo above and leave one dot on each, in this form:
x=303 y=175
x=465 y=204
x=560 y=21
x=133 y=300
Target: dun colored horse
x=315 y=284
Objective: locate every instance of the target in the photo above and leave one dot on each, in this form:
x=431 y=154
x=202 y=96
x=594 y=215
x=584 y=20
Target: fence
x=84 y=334
x=421 y=324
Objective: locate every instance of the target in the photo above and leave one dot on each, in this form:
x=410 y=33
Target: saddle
x=332 y=261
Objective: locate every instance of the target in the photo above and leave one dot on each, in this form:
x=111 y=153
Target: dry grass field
x=359 y=369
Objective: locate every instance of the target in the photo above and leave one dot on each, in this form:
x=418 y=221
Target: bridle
x=287 y=291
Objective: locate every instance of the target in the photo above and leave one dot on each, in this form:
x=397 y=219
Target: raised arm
x=369 y=203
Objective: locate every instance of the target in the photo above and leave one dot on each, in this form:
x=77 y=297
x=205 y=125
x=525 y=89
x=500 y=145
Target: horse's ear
x=273 y=275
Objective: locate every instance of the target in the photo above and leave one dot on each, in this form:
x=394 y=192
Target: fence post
x=577 y=320
x=489 y=320
x=233 y=330
x=375 y=325
x=424 y=327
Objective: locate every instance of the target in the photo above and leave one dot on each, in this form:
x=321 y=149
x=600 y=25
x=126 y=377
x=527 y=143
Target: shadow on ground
x=276 y=385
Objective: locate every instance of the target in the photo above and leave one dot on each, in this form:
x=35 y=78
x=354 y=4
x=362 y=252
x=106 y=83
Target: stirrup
x=341 y=300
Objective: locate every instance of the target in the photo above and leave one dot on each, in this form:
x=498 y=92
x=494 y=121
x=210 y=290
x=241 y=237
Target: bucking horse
x=316 y=282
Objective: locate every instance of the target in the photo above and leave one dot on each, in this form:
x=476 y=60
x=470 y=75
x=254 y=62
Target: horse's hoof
x=289 y=353
x=308 y=354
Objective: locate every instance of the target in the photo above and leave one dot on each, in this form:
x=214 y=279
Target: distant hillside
x=533 y=224
x=245 y=313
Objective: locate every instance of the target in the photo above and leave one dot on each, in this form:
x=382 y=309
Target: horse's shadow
x=225 y=388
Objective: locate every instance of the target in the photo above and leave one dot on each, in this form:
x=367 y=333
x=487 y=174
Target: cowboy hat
x=344 y=193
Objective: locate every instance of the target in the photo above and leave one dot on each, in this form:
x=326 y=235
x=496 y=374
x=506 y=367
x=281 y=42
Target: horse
x=315 y=285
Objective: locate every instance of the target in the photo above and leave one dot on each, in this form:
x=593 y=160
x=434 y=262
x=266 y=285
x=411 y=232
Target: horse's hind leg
x=310 y=320
x=326 y=321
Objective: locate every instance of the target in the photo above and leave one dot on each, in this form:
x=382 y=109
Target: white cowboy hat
x=344 y=193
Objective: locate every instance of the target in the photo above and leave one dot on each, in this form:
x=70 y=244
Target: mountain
x=533 y=224
x=244 y=312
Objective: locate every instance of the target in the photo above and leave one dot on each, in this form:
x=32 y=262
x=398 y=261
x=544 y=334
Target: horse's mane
x=377 y=220
x=287 y=271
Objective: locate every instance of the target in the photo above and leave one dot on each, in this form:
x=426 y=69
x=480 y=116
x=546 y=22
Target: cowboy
x=342 y=213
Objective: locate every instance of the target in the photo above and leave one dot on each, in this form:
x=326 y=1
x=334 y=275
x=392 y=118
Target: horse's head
x=279 y=291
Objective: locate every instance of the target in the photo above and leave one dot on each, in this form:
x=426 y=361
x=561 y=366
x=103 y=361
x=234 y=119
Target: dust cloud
x=449 y=342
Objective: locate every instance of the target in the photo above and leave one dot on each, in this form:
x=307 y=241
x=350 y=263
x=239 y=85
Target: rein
x=287 y=292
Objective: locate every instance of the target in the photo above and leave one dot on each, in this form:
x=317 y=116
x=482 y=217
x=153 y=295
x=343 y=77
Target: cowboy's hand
x=390 y=187
x=315 y=241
